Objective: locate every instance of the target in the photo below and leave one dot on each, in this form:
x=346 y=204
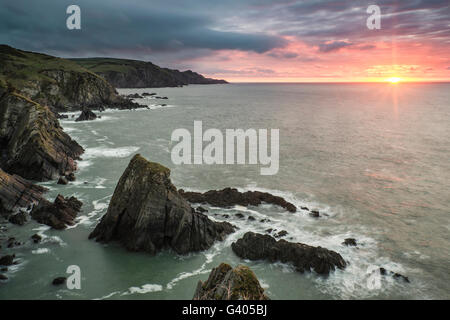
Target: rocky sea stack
x=230 y=197
x=255 y=246
x=226 y=283
x=146 y=213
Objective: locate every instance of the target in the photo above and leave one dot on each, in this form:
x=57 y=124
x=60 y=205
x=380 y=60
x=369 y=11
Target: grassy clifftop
x=59 y=83
x=19 y=67
x=125 y=73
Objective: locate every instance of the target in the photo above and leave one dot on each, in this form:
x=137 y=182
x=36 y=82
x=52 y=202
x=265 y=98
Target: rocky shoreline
x=147 y=213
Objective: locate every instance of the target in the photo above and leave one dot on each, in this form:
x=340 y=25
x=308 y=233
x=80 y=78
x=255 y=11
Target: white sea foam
x=40 y=251
x=146 y=288
x=105 y=152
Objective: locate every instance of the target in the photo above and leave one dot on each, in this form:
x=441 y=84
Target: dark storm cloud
x=333 y=46
x=114 y=26
x=176 y=30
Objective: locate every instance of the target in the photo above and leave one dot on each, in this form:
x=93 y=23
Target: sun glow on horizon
x=394 y=80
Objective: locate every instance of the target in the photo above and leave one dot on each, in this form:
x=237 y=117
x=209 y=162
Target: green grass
x=19 y=68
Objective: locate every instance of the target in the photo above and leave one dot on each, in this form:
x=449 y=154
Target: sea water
x=372 y=158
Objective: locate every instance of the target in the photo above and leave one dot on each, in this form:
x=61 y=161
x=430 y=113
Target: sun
x=394 y=80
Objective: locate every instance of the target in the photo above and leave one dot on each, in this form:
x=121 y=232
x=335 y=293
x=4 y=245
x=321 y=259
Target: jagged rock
x=7 y=260
x=86 y=115
x=226 y=283
x=201 y=209
x=282 y=233
x=304 y=208
x=19 y=218
x=134 y=96
x=61 y=116
x=314 y=214
x=255 y=246
x=229 y=197
x=36 y=238
x=146 y=213
x=34 y=145
x=59 y=281
x=11 y=243
x=239 y=216
x=251 y=218
x=396 y=275
x=59 y=214
x=71 y=177
x=146 y=94
x=349 y=242
x=62 y=180
x=16 y=192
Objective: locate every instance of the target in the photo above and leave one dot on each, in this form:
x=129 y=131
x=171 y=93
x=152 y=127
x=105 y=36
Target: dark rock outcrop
x=86 y=115
x=7 y=260
x=19 y=218
x=393 y=274
x=146 y=213
x=16 y=192
x=36 y=238
x=33 y=143
x=59 y=281
x=62 y=180
x=229 y=197
x=226 y=283
x=59 y=214
x=349 y=242
x=255 y=246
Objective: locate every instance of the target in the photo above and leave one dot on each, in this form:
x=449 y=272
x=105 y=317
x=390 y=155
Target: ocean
x=372 y=158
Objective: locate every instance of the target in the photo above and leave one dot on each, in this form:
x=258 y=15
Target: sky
x=246 y=40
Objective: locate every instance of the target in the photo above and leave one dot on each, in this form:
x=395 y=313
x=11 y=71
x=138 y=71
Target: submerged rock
x=59 y=281
x=7 y=260
x=59 y=214
x=146 y=213
x=36 y=238
x=395 y=275
x=314 y=214
x=86 y=115
x=229 y=197
x=255 y=246
x=226 y=283
x=19 y=218
x=349 y=242
x=62 y=180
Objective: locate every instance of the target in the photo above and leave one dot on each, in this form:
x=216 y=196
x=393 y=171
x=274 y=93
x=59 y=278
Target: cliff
x=61 y=84
x=123 y=73
x=146 y=213
x=32 y=143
